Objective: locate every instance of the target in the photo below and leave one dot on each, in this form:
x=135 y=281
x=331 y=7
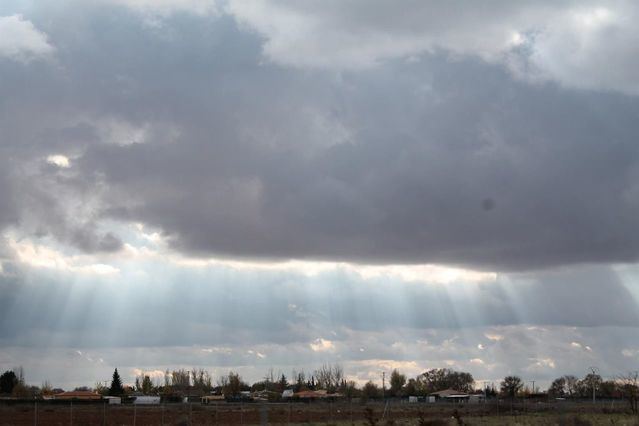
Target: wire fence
x=187 y=414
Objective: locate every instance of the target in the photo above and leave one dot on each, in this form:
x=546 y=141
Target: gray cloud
x=390 y=164
x=235 y=138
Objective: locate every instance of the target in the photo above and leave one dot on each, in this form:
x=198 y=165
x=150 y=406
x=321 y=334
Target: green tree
x=147 y=385
x=371 y=391
x=232 y=385
x=397 y=382
x=349 y=389
x=557 y=388
x=439 y=379
x=411 y=388
x=282 y=384
x=116 y=385
x=586 y=385
x=8 y=380
x=511 y=386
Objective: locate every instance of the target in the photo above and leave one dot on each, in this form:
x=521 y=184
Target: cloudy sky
x=250 y=185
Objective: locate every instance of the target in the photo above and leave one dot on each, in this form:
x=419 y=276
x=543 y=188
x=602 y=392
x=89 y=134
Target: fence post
x=104 y=414
x=290 y=408
x=263 y=414
x=35 y=413
x=350 y=404
x=135 y=412
x=71 y=415
x=162 y=415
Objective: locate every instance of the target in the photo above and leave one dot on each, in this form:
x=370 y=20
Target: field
x=318 y=414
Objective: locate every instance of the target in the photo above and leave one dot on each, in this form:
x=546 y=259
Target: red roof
x=78 y=395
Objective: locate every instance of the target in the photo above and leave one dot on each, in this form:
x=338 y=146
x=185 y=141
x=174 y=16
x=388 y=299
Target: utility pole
x=533 y=386
x=383 y=385
x=595 y=372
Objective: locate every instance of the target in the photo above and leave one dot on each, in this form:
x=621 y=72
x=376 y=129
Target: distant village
x=327 y=383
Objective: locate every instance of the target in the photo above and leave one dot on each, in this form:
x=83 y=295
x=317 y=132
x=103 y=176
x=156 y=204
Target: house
x=146 y=400
x=451 y=395
x=81 y=395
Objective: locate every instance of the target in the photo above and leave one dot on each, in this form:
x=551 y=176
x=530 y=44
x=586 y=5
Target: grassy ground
x=528 y=420
x=577 y=414
x=523 y=420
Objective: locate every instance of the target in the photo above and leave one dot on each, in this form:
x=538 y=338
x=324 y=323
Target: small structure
x=207 y=399
x=310 y=395
x=288 y=393
x=413 y=399
x=113 y=400
x=476 y=398
x=146 y=400
x=451 y=395
x=79 y=395
x=264 y=396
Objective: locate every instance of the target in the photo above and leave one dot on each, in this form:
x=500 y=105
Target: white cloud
x=321 y=345
x=164 y=8
x=157 y=375
x=562 y=41
x=20 y=40
x=494 y=337
x=59 y=160
x=541 y=364
x=578 y=345
x=41 y=256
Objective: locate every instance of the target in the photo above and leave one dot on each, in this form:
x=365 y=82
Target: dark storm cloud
x=392 y=164
x=410 y=181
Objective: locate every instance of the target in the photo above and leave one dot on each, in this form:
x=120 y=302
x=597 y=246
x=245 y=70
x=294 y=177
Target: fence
x=103 y=414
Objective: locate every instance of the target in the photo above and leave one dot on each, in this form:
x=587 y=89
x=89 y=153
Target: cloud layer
x=158 y=314
x=440 y=158
x=160 y=159
x=564 y=41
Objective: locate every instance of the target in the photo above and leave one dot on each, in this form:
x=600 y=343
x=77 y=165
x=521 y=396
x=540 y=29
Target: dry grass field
x=316 y=414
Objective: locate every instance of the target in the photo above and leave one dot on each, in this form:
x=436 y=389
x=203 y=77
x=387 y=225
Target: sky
x=253 y=185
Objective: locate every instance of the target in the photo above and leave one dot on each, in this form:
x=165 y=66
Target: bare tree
x=180 y=379
x=201 y=380
x=629 y=386
x=572 y=385
x=329 y=377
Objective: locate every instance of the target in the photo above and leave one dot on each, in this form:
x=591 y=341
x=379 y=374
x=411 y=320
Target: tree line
x=331 y=378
